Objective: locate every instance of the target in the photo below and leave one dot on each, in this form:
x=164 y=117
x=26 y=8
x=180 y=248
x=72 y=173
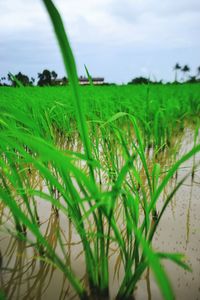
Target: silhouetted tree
x=185 y=69
x=65 y=80
x=2 y=83
x=45 y=78
x=139 y=80
x=176 y=68
x=32 y=80
x=192 y=79
x=54 y=75
x=22 y=78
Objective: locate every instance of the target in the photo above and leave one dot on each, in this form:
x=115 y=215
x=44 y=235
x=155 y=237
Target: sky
x=115 y=39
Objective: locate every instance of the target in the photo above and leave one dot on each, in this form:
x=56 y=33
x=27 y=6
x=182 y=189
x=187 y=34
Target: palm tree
x=32 y=80
x=185 y=69
x=45 y=78
x=176 y=68
x=54 y=75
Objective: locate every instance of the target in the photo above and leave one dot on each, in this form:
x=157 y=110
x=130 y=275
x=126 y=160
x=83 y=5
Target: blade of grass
x=70 y=67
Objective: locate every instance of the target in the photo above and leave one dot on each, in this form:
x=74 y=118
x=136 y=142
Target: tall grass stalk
x=115 y=204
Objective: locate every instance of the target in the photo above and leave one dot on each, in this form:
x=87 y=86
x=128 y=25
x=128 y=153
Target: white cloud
x=168 y=23
x=100 y=28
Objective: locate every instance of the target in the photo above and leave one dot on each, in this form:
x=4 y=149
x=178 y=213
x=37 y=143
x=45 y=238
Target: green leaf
x=177 y=258
x=88 y=76
x=70 y=67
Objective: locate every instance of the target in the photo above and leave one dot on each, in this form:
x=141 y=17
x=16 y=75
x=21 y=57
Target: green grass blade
x=70 y=67
x=88 y=76
x=177 y=258
x=169 y=175
x=11 y=203
x=14 y=79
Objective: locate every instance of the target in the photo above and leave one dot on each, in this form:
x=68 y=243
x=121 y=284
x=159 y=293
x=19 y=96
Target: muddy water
x=179 y=232
x=24 y=276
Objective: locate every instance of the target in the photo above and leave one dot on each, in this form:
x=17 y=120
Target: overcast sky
x=117 y=39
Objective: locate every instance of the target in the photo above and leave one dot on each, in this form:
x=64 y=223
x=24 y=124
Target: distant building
x=60 y=81
x=98 y=80
x=95 y=80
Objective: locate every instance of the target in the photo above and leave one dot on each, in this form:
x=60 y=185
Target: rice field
x=99 y=189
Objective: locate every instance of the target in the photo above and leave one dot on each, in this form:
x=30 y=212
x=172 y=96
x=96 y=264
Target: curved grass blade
x=14 y=79
x=43 y=242
x=169 y=175
x=150 y=258
x=70 y=67
x=177 y=258
x=89 y=76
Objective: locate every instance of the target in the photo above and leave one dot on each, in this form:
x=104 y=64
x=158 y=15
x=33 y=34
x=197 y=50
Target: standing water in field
x=84 y=194
x=24 y=276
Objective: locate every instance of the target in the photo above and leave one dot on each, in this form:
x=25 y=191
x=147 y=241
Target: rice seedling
x=95 y=169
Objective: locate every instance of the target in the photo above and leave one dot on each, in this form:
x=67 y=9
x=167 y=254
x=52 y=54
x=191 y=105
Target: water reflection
x=27 y=275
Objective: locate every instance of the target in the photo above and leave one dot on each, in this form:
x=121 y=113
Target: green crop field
x=161 y=110
x=102 y=158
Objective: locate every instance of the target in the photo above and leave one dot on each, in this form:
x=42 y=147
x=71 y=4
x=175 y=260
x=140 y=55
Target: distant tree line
x=144 y=80
x=50 y=78
x=46 y=78
x=184 y=70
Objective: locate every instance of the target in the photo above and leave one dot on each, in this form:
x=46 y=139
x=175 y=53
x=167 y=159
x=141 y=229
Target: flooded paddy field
x=99 y=188
x=95 y=198
x=25 y=274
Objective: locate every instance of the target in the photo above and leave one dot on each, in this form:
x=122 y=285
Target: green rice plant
x=88 y=75
x=53 y=108
x=72 y=198
x=23 y=218
x=106 y=186
x=98 y=281
x=130 y=190
x=134 y=261
x=70 y=67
